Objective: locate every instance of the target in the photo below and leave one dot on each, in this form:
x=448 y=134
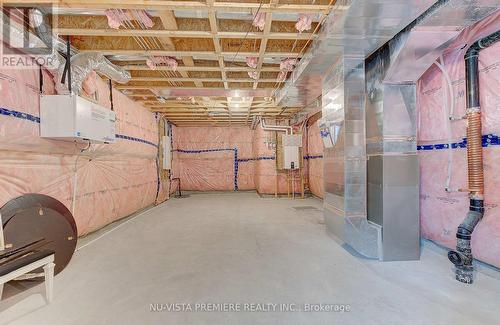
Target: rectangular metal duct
x=418 y=48
x=353 y=27
x=391 y=127
x=347 y=38
x=345 y=163
x=371 y=174
x=393 y=170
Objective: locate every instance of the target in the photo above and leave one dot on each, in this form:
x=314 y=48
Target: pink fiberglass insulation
x=287 y=64
x=315 y=160
x=208 y=158
x=204 y=157
x=114 y=18
x=113 y=180
x=259 y=20
x=442 y=212
x=155 y=61
x=267 y=179
x=122 y=17
x=90 y=83
x=304 y=22
x=252 y=61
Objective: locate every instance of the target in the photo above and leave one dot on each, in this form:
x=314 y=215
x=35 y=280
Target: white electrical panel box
x=291 y=152
x=167 y=153
x=292 y=140
x=291 y=157
x=71 y=117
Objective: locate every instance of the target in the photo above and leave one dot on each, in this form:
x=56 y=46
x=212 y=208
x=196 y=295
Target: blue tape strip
x=36 y=119
x=20 y=115
x=236 y=165
x=242 y=160
x=487 y=140
x=313 y=157
x=203 y=150
x=237 y=160
x=234 y=150
x=126 y=137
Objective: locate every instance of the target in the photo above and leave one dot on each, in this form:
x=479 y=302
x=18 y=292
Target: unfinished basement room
x=249 y=162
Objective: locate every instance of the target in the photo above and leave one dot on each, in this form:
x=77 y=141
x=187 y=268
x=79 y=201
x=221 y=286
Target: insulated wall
x=236 y=158
x=442 y=212
x=267 y=179
x=206 y=158
x=98 y=183
x=314 y=160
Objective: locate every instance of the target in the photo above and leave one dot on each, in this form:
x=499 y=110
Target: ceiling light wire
x=248 y=31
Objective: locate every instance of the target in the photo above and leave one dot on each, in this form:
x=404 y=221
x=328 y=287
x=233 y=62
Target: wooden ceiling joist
x=168 y=21
x=198 y=68
x=204 y=54
x=199 y=79
x=210 y=52
x=176 y=33
x=173 y=5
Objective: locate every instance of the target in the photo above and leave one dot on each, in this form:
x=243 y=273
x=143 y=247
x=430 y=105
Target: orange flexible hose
x=475 y=154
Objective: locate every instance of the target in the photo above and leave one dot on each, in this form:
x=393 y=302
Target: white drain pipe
x=278 y=128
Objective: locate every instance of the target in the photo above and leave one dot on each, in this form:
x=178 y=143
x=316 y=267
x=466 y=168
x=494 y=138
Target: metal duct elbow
x=83 y=64
x=50 y=60
x=43 y=30
x=42 y=26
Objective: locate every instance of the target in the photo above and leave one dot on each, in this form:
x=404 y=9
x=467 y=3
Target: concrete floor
x=240 y=248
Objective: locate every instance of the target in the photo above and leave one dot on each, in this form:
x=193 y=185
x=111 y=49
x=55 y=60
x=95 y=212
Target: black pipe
x=462 y=258
x=40 y=79
x=472 y=68
x=26 y=28
x=111 y=94
x=68 y=58
x=472 y=77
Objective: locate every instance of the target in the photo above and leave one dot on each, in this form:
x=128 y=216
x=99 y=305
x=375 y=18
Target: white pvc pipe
x=75 y=181
x=448 y=114
x=278 y=128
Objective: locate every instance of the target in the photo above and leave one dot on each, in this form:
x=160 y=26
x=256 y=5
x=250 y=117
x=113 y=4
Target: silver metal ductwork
x=43 y=30
x=82 y=64
x=419 y=48
x=366 y=62
x=50 y=60
x=391 y=127
x=348 y=38
x=355 y=28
